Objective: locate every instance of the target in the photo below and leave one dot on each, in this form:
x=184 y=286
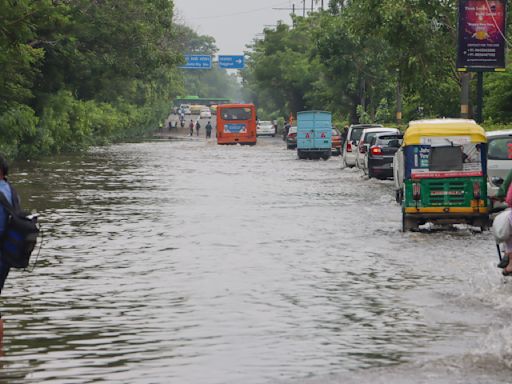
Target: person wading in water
x=5 y=188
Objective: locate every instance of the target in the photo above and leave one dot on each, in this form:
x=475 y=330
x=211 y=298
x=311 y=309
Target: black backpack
x=20 y=235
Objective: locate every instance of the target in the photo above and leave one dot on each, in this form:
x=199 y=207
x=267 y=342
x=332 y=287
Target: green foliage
x=83 y=73
x=498 y=95
x=350 y=59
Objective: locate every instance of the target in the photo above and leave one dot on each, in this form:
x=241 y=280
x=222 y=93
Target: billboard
x=481 y=40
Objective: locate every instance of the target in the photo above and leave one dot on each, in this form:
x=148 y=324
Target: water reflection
x=189 y=262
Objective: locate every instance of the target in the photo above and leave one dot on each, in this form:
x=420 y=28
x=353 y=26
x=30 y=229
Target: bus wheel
x=301 y=154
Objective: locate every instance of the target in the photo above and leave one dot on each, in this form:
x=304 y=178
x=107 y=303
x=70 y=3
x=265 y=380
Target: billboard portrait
x=481 y=38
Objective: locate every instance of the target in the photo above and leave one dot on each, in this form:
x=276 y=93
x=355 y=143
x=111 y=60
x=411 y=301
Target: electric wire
x=239 y=13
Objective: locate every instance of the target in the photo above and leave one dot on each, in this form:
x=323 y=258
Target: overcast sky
x=233 y=23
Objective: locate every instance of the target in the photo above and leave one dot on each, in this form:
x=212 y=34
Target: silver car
x=499 y=161
x=349 y=150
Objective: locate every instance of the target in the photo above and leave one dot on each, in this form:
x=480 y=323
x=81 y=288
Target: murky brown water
x=187 y=262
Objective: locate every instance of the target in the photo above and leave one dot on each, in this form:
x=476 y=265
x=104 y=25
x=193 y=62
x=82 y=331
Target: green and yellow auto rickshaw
x=440 y=173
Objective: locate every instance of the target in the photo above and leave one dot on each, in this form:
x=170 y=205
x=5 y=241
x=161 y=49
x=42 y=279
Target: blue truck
x=314 y=135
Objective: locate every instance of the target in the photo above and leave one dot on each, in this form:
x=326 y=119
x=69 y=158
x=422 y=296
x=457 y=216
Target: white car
x=364 y=142
x=265 y=128
x=349 y=149
x=499 y=161
x=186 y=109
x=205 y=113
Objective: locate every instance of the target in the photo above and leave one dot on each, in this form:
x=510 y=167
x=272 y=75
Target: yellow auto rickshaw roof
x=442 y=128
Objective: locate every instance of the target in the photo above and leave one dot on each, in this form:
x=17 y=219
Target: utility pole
x=398 y=99
x=303 y=8
x=322 y=5
x=312 y=6
x=464 y=95
x=479 y=96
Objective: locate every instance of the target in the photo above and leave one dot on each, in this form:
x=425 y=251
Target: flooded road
x=188 y=262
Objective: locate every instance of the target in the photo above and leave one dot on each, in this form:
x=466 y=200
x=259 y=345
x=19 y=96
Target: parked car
x=205 y=113
x=265 y=128
x=349 y=147
x=291 y=138
x=364 y=142
x=378 y=160
x=499 y=163
x=336 y=142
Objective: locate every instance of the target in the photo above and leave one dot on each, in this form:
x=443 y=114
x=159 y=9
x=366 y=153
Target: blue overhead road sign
x=198 y=62
x=231 y=62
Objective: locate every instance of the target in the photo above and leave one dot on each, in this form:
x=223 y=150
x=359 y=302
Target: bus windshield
x=236 y=113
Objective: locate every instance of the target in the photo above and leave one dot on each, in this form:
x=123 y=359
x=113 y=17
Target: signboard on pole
x=481 y=40
x=198 y=62
x=231 y=62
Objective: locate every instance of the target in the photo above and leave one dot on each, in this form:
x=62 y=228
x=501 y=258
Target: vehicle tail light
x=416 y=191
x=376 y=150
x=349 y=147
x=292 y=134
x=476 y=190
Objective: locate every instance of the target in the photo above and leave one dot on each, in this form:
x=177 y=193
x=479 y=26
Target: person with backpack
x=18 y=232
x=209 y=130
x=6 y=190
x=198 y=127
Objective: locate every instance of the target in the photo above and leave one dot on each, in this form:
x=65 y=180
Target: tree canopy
x=79 y=73
x=353 y=57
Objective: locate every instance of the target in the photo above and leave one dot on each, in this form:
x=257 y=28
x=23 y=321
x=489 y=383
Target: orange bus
x=236 y=124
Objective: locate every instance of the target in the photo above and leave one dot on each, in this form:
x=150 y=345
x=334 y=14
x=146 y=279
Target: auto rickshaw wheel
x=408 y=223
x=483 y=223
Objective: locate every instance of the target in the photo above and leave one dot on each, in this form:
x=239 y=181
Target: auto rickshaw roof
x=442 y=128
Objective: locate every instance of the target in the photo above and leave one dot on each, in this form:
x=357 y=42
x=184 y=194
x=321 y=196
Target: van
x=314 y=134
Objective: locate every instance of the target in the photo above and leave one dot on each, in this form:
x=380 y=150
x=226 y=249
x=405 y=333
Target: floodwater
x=188 y=262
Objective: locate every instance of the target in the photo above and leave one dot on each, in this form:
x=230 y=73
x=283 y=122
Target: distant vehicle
x=236 y=124
x=364 y=142
x=291 y=138
x=265 y=128
x=213 y=109
x=378 y=160
x=186 y=109
x=336 y=142
x=314 y=135
x=499 y=163
x=350 y=145
x=205 y=113
x=196 y=109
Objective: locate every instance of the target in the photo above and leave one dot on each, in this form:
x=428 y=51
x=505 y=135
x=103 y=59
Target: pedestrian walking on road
x=209 y=130
x=198 y=127
x=191 y=126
